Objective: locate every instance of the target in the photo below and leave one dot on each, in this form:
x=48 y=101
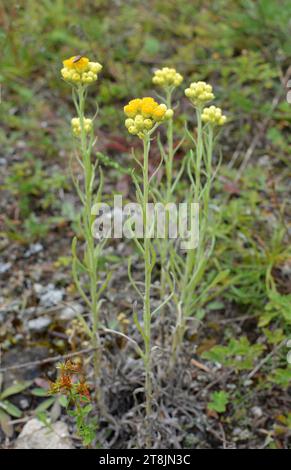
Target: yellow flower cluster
x=79 y=69
x=123 y=320
x=199 y=93
x=143 y=114
x=76 y=125
x=167 y=77
x=213 y=115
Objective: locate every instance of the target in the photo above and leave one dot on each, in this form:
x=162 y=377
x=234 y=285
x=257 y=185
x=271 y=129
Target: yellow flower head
x=78 y=63
x=199 y=93
x=213 y=115
x=80 y=70
x=167 y=77
x=133 y=107
x=143 y=114
x=77 y=128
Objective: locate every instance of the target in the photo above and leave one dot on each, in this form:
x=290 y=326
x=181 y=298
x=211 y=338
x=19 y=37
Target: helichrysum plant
x=167 y=79
x=143 y=117
x=80 y=72
x=188 y=269
x=199 y=93
x=213 y=116
x=181 y=272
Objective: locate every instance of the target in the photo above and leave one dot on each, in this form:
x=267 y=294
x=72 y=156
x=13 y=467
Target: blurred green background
x=241 y=47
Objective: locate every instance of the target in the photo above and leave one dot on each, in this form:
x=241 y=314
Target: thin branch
x=48 y=360
x=266 y=358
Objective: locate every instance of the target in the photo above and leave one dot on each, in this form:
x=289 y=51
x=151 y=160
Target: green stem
x=147 y=307
x=199 y=155
x=168 y=196
x=208 y=164
x=170 y=153
x=191 y=256
x=90 y=258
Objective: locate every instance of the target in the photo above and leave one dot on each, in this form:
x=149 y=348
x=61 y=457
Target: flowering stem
x=191 y=256
x=90 y=258
x=169 y=180
x=208 y=166
x=199 y=155
x=170 y=154
x=147 y=307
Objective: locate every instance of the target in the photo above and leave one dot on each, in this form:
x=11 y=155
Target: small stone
x=33 y=249
x=38 y=288
x=24 y=403
x=4 y=267
x=35 y=435
x=51 y=297
x=248 y=382
x=39 y=324
x=71 y=311
x=286 y=269
x=257 y=411
x=18 y=337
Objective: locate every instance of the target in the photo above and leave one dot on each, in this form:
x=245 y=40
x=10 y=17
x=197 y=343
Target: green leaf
x=215 y=305
x=15 y=388
x=281 y=377
x=219 y=401
x=138 y=325
x=274 y=336
x=63 y=401
x=43 y=417
x=39 y=392
x=5 y=423
x=239 y=354
x=45 y=405
x=200 y=313
x=87 y=409
x=11 y=409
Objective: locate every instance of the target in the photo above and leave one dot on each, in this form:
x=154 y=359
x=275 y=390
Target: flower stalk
x=148 y=274
x=169 y=156
x=200 y=173
x=90 y=258
x=143 y=117
x=168 y=79
x=79 y=72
